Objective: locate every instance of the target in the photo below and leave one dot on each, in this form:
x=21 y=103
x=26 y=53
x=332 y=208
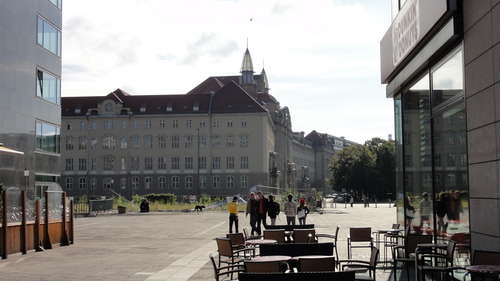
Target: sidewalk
x=167 y=245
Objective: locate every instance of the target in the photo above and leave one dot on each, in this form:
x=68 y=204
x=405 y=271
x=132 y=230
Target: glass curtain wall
x=431 y=172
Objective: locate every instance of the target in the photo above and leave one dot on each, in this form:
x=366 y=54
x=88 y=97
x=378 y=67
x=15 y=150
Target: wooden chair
x=359 y=237
x=313 y=263
x=262 y=266
x=230 y=256
x=441 y=261
x=237 y=240
x=225 y=270
x=247 y=235
x=370 y=266
x=406 y=253
x=335 y=239
x=275 y=234
x=302 y=236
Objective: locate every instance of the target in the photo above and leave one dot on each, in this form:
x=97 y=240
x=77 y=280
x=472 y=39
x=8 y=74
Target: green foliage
x=136 y=199
x=367 y=170
x=205 y=199
x=163 y=198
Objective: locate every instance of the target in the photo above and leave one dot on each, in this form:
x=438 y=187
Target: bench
x=296 y=249
x=299 y=276
x=290 y=227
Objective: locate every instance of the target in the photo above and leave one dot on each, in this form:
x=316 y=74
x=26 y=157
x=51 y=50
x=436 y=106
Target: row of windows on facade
x=109 y=141
x=450 y=160
x=108 y=183
x=48 y=86
x=161 y=164
x=109 y=124
x=451 y=180
x=449 y=138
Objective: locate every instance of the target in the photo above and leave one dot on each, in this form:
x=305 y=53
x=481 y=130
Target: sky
x=321 y=57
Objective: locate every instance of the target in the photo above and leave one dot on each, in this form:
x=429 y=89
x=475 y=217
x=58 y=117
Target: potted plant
x=121 y=202
x=122 y=209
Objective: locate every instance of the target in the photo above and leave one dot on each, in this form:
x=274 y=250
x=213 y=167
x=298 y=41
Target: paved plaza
x=168 y=245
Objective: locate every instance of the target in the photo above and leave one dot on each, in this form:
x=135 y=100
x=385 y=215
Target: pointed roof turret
x=247 y=64
x=264 y=79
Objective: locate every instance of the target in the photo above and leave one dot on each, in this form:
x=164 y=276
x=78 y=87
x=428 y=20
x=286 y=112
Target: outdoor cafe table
x=385 y=231
x=256 y=242
x=483 y=270
x=272 y=258
x=426 y=246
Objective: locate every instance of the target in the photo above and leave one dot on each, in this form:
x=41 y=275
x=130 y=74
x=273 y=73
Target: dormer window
x=108 y=107
x=78 y=108
x=170 y=106
x=196 y=106
x=143 y=107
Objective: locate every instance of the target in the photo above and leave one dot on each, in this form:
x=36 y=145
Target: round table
x=272 y=258
x=483 y=270
x=255 y=242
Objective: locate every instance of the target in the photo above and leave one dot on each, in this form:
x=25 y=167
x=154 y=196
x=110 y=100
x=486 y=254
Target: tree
x=367 y=170
x=352 y=169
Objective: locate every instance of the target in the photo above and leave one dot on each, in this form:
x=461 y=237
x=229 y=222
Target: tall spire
x=247 y=69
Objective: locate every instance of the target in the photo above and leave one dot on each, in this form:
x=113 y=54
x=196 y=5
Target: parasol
x=5 y=150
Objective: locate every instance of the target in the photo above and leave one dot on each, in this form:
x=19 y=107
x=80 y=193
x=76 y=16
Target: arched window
x=69 y=183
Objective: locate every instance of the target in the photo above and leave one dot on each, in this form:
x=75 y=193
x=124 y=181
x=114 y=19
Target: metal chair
x=224 y=270
x=437 y=262
x=230 y=256
x=371 y=265
x=406 y=253
x=275 y=234
x=237 y=240
x=302 y=235
x=262 y=266
x=312 y=263
x=359 y=237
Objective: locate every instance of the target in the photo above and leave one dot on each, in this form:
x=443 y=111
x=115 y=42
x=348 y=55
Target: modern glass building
x=440 y=60
x=30 y=93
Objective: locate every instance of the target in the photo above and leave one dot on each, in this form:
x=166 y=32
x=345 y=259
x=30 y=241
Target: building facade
x=225 y=136
x=30 y=89
x=440 y=61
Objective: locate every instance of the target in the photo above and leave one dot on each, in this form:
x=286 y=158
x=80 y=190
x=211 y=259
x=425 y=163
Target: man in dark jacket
x=273 y=209
x=261 y=211
x=251 y=210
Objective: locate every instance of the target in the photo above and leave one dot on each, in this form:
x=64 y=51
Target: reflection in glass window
x=48 y=87
x=203 y=182
x=49 y=37
x=447 y=79
x=48 y=137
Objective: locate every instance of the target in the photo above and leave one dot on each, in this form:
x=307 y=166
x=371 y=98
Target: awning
x=5 y=150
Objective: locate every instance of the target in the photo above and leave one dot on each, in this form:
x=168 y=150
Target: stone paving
x=169 y=245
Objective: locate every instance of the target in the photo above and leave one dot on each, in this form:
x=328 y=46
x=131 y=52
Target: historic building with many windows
x=30 y=88
x=223 y=137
